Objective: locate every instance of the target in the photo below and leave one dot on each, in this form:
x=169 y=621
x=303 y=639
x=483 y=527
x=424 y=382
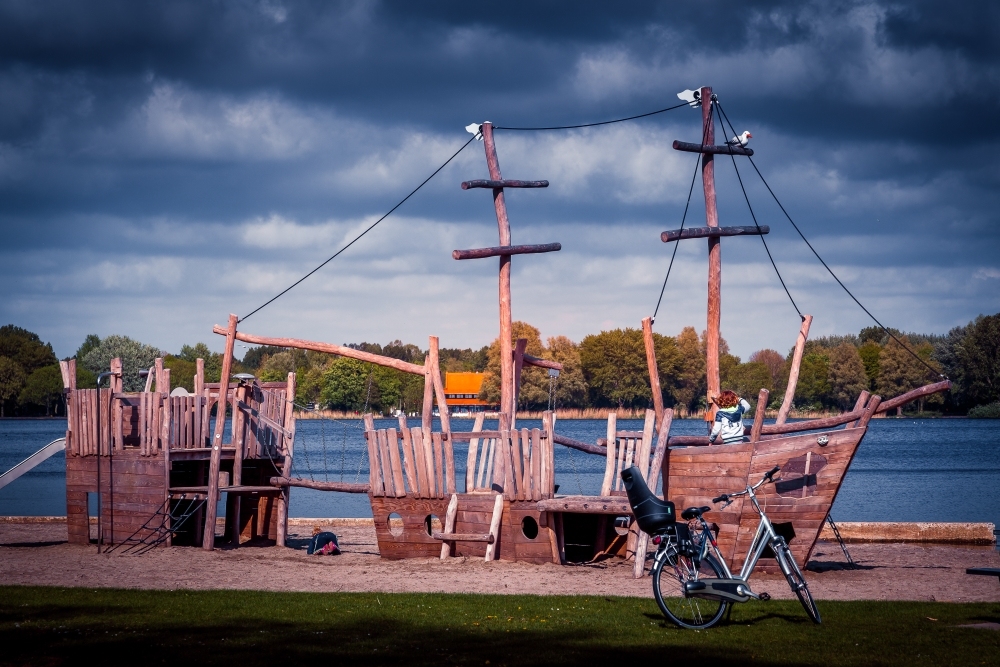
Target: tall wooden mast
x=714 y=234
x=509 y=366
x=714 y=254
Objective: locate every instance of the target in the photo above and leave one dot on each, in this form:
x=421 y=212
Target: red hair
x=727 y=399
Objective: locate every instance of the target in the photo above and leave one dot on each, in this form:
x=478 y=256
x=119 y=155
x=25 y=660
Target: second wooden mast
x=509 y=365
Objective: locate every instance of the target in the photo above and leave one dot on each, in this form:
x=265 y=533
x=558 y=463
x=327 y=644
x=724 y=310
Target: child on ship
x=729 y=418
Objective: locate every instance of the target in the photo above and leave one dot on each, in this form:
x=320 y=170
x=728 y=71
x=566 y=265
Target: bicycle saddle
x=653 y=515
x=694 y=512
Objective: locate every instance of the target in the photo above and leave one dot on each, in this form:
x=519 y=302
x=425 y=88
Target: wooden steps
x=449 y=537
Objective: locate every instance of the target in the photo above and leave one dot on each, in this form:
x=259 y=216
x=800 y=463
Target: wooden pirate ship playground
x=159 y=463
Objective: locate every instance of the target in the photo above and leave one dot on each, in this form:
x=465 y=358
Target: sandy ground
x=38 y=554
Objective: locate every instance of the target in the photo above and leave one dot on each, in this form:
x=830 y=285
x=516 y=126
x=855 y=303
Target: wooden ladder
x=449 y=537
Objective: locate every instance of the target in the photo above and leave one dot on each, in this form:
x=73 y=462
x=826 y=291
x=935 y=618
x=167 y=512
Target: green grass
x=52 y=626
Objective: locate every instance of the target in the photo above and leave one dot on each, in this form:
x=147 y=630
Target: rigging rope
x=356 y=238
x=754 y=217
x=827 y=267
x=677 y=243
x=603 y=122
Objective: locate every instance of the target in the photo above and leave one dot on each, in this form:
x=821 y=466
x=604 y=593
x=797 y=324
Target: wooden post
x=491 y=548
x=473 y=454
x=609 y=466
x=654 y=371
x=199 y=377
x=507 y=399
x=518 y=364
x=164 y=435
x=208 y=539
x=286 y=469
x=160 y=380
x=714 y=255
x=442 y=400
x=115 y=435
x=758 y=417
x=793 y=374
x=449 y=525
x=239 y=396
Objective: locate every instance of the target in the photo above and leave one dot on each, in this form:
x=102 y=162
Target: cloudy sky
x=165 y=164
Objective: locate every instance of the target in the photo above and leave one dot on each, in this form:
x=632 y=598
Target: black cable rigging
x=732 y=156
x=356 y=238
x=827 y=267
x=677 y=243
x=603 y=122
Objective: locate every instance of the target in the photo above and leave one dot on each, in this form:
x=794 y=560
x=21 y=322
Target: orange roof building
x=462 y=390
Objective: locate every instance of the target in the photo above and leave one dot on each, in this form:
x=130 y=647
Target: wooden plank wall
x=138 y=493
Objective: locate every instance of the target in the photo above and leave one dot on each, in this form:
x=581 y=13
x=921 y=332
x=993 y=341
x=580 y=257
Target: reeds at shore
x=564 y=413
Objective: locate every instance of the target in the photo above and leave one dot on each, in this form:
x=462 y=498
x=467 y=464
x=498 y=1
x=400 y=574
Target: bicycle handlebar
x=768 y=477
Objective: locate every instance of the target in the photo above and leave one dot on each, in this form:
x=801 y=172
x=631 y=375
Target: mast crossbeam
x=709 y=232
x=480 y=253
x=726 y=149
x=503 y=183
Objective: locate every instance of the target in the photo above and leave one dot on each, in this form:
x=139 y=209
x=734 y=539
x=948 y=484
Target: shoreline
x=852 y=532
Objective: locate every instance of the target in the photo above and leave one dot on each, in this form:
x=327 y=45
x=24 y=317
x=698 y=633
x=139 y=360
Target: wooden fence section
x=406 y=463
x=144 y=421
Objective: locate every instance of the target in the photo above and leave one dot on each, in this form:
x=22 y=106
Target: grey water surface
x=905 y=469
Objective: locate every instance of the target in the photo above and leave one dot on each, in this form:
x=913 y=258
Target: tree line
x=607 y=369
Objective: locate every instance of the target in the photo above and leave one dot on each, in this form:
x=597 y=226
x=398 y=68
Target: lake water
x=905 y=470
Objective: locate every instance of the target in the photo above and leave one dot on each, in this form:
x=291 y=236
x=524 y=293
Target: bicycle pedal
x=764 y=597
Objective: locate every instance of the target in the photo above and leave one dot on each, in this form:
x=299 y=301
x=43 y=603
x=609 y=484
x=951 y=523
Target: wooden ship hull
x=811 y=476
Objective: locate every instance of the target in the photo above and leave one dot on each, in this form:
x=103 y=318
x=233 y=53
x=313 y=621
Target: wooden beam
x=587 y=505
x=328 y=348
x=812 y=424
x=497 y=517
x=758 y=417
x=208 y=538
x=654 y=372
x=793 y=374
x=266 y=420
x=343 y=487
x=480 y=253
x=541 y=363
x=913 y=395
x=710 y=232
x=714 y=256
x=582 y=446
x=448 y=538
x=449 y=527
x=503 y=183
x=709 y=149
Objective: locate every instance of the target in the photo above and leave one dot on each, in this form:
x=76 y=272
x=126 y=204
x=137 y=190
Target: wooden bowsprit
x=510 y=363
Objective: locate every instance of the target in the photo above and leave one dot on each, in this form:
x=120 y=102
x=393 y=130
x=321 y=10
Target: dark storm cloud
x=163 y=135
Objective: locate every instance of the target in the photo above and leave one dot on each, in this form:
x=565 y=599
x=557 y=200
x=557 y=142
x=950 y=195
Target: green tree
x=870 y=353
x=689 y=382
x=11 y=381
x=346 y=384
x=774 y=363
x=135 y=357
x=847 y=375
x=25 y=348
x=534 y=393
x=748 y=379
x=899 y=372
x=89 y=343
x=277 y=367
x=182 y=372
x=614 y=364
x=813 y=387
x=570 y=386
x=44 y=387
x=979 y=356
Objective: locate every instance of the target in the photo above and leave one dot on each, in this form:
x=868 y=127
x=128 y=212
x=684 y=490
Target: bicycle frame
x=763 y=538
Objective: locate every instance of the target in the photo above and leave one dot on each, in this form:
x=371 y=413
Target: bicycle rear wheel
x=669 y=576
x=795 y=579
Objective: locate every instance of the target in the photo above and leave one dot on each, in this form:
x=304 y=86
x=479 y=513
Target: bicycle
x=692 y=584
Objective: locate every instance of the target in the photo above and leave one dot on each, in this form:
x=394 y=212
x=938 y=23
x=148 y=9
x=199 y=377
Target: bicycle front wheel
x=795 y=579
x=669 y=576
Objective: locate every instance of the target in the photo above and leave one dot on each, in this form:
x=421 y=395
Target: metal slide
x=35 y=459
